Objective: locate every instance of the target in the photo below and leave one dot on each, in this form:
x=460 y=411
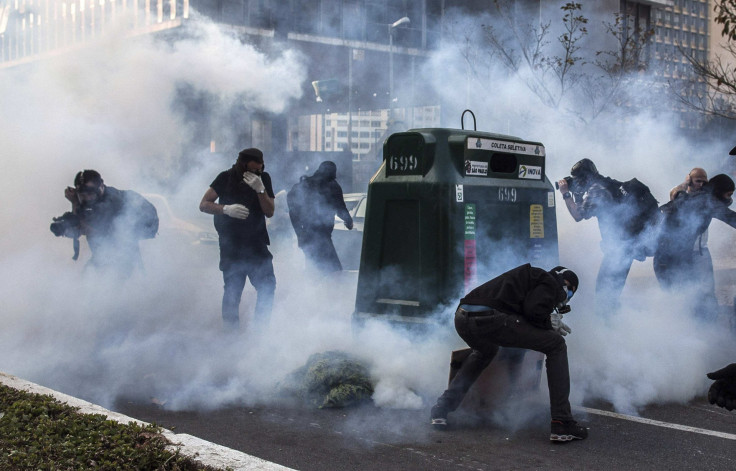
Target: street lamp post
x=391 y=27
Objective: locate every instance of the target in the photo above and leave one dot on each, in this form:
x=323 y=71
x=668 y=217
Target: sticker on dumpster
x=550 y=199
x=459 y=194
x=469 y=247
x=473 y=167
x=536 y=221
x=506 y=146
x=532 y=172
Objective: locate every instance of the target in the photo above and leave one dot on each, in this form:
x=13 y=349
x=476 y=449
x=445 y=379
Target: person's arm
x=268 y=205
x=70 y=194
x=265 y=200
x=340 y=209
x=540 y=302
x=572 y=206
x=208 y=205
x=723 y=213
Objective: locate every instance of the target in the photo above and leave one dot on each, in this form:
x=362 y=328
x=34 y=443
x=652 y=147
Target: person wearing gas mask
x=241 y=199
x=628 y=231
x=313 y=204
x=521 y=308
x=113 y=222
x=685 y=219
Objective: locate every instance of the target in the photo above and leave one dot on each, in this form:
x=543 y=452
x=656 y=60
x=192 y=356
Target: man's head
x=722 y=187
x=327 y=170
x=251 y=160
x=583 y=171
x=89 y=186
x=568 y=281
x=696 y=179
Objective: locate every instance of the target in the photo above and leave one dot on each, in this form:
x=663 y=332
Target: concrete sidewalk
x=207 y=453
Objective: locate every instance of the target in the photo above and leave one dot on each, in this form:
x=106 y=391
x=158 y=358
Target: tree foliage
x=555 y=58
x=725 y=11
x=712 y=90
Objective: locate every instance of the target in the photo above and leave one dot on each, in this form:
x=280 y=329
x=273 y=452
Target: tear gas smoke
x=111 y=107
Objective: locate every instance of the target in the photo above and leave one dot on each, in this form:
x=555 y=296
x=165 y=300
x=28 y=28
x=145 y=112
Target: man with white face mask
x=521 y=308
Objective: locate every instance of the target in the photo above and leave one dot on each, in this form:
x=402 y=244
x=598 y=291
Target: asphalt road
x=694 y=436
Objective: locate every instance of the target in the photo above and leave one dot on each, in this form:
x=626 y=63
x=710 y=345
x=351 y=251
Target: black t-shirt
x=241 y=235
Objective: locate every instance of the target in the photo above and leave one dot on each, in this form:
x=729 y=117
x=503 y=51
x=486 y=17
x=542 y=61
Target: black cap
x=733 y=151
x=566 y=275
x=246 y=155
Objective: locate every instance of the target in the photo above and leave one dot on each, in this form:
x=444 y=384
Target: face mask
x=568 y=296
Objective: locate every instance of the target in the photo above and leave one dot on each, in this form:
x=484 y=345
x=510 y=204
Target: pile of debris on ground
x=330 y=379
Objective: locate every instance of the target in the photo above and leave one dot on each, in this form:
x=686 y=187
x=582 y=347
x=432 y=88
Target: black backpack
x=296 y=199
x=146 y=216
x=642 y=206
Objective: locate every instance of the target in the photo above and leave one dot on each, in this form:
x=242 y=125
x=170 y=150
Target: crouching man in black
x=521 y=308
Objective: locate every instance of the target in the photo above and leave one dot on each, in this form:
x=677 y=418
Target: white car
x=173 y=228
x=348 y=243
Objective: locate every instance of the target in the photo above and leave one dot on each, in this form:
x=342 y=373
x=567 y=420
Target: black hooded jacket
x=315 y=200
x=528 y=291
x=688 y=216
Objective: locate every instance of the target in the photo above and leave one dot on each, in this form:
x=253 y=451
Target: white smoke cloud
x=109 y=107
x=653 y=351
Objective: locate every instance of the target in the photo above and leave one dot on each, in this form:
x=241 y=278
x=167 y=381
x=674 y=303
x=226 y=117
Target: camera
x=569 y=181
x=66 y=225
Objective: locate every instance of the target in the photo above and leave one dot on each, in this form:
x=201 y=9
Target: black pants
x=484 y=332
x=320 y=252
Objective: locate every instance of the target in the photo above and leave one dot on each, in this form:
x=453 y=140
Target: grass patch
x=38 y=432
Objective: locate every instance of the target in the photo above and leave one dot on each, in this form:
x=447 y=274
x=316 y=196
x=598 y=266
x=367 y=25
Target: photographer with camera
x=628 y=218
x=113 y=222
x=521 y=308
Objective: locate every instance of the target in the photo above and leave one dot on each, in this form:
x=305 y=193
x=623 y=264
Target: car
x=173 y=228
x=348 y=243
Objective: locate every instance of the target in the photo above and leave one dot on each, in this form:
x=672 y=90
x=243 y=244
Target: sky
x=159 y=335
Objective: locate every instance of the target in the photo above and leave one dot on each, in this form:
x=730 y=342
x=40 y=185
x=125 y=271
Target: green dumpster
x=447 y=210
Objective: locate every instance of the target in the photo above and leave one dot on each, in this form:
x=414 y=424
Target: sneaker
x=567 y=431
x=439 y=418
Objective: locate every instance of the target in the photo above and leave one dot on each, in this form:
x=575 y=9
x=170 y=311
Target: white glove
x=254 y=181
x=237 y=211
x=559 y=326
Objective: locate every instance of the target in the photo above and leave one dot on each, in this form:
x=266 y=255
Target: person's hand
x=70 y=193
x=723 y=391
x=562 y=185
x=237 y=211
x=559 y=326
x=349 y=225
x=254 y=181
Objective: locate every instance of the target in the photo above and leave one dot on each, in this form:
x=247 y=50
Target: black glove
x=723 y=391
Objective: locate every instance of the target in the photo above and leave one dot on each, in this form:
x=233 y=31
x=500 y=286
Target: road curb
x=207 y=453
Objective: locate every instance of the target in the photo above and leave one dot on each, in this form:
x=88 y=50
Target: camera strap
x=75 y=244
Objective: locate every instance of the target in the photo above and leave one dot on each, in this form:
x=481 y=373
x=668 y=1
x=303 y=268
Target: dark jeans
x=485 y=332
x=612 y=274
x=260 y=272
